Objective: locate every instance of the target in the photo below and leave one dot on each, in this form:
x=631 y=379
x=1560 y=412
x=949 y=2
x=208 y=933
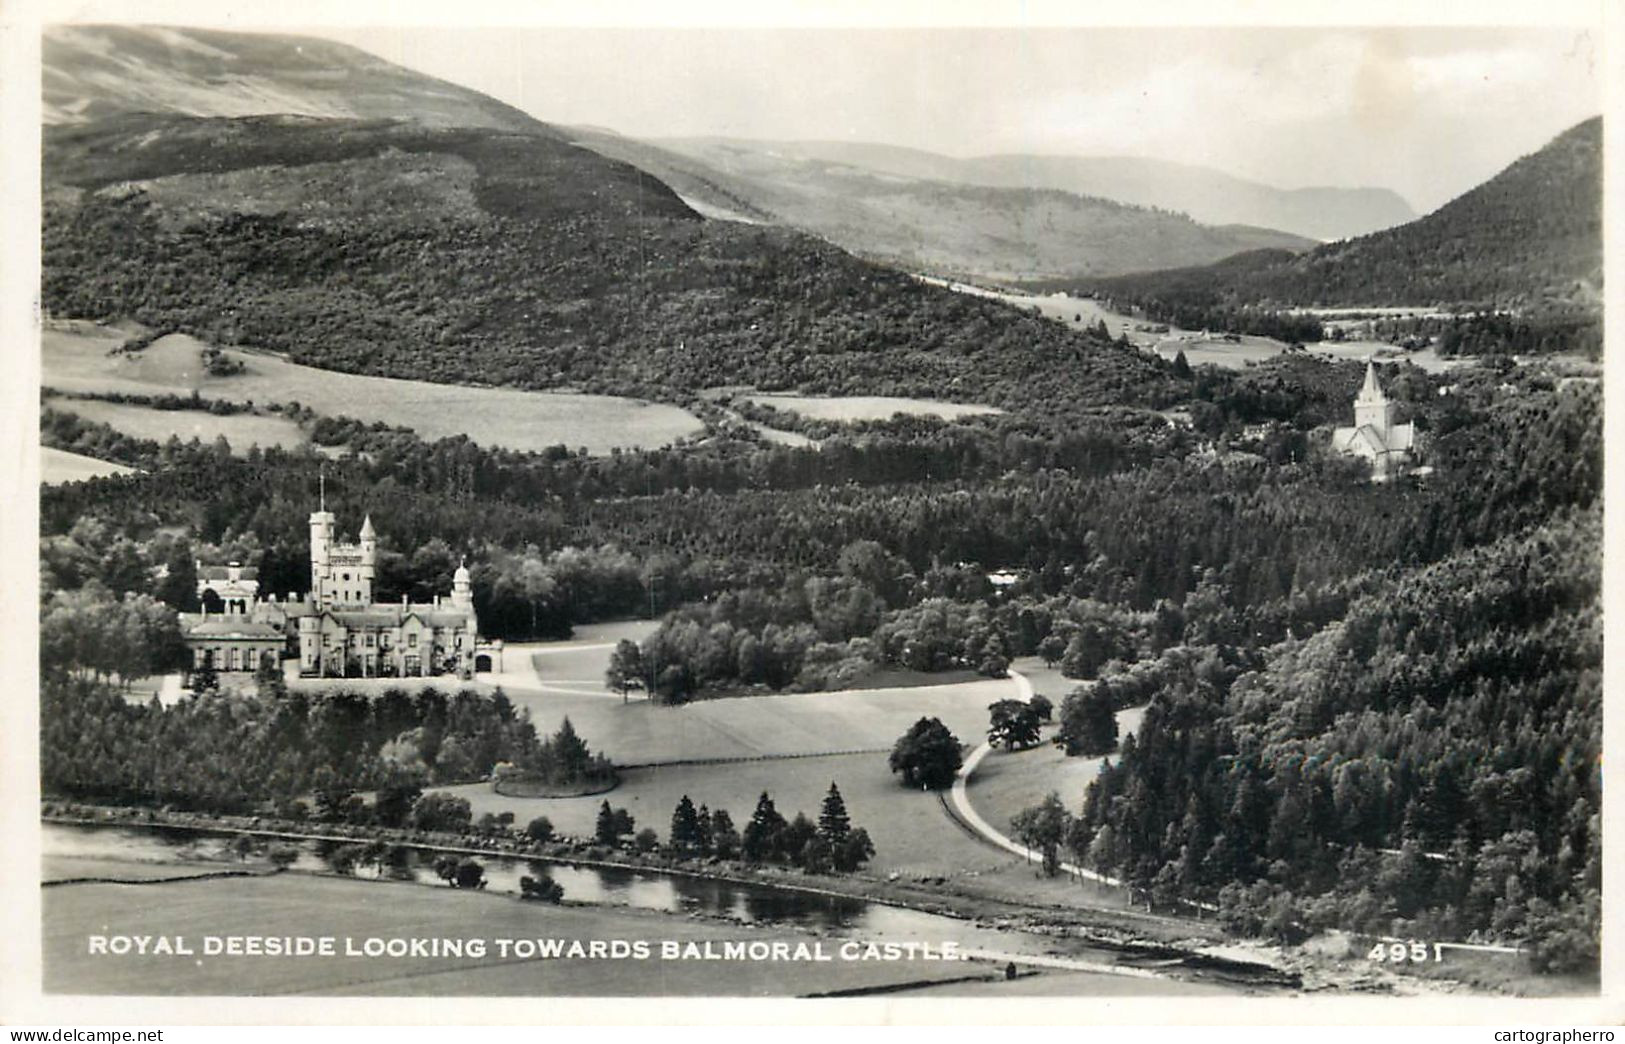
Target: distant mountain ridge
x=1208 y=196
x=1530 y=238
x=937 y=225
x=90 y=71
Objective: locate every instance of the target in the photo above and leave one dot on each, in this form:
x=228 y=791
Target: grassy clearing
x=301 y=905
x=868 y=407
x=59 y=466
x=242 y=430
x=557 y=679
x=79 y=360
x=641 y=732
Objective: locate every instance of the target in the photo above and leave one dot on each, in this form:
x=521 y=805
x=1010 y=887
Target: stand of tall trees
x=1428 y=765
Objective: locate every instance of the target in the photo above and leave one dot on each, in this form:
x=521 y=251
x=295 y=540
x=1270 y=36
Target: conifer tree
x=833 y=823
x=685 y=826
x=762 y=833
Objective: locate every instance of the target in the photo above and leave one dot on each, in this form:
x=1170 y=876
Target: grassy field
x=868 y=407
x=77 y=358
x=301 y=905
x=242 y=430
x=59 y=466
x=641 y=732
x=558 y=679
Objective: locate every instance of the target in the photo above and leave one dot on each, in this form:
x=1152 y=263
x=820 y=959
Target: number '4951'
x=1401 y=953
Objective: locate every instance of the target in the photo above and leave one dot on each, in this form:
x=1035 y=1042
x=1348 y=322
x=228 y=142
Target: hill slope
x=92 y=71
x=1209 y=196
x=940 y=225
x=478 y=256
x=1530 y=238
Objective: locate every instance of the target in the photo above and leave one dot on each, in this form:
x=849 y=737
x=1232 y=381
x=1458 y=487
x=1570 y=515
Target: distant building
x=1375 y=434
x=232 y=588
x=338 y=630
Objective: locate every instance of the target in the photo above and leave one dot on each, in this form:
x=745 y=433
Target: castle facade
x=338 y=630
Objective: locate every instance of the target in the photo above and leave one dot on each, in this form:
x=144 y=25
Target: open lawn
x=558 y=679
x=641 y=732
x=77 y=358
x=301 y=905
x=868 y=407
x=59 y=466
x=242 y=430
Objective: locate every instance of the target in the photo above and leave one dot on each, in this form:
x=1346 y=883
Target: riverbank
x=1168 y=949
x=389 y=936
x=1142 y=937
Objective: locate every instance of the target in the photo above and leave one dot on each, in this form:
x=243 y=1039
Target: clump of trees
x=831 y=844
x=562 y=760
x=459 y=872
x=1015 y=723
x=234 y=753
x=927 y=755
x=541 y=889
x=1045 y=827
x=613 y=824
x=1088 y=721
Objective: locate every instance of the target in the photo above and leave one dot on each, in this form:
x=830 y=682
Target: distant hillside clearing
x=868 y=407
x=78 y=361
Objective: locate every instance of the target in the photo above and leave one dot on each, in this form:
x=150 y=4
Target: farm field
x=304 y=905
x=76 y=358
x=868 y=407
x=242 y=430
x=59 y=466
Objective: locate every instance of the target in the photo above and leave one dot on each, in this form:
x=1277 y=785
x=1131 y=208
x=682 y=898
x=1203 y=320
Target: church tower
x=1371 y=406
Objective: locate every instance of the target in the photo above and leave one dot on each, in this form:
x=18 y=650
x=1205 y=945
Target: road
x=962 y=805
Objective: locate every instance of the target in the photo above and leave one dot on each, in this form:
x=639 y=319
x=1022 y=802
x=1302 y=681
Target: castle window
x=344 y=576
x=412 y=640
x=369 y=641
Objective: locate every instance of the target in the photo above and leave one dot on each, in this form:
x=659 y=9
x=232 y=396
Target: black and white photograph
x=986 y=512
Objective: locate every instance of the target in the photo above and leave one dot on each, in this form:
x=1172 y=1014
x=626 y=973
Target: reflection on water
x=606 y=886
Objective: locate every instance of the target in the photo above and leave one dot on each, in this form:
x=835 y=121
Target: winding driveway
x=962 y=805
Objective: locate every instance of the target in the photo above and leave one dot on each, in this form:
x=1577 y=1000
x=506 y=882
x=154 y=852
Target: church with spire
x=1376 y=433
x=339 y=630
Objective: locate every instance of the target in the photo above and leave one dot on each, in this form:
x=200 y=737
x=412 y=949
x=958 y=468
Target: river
x=75 y=851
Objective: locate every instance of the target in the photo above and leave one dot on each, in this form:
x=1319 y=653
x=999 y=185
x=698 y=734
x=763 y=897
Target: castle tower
x=462 y=589
x=369 y=560
x=321 y=549
x=1371 y=406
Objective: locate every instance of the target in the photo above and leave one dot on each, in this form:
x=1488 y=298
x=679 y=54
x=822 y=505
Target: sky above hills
x=1428 y=112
